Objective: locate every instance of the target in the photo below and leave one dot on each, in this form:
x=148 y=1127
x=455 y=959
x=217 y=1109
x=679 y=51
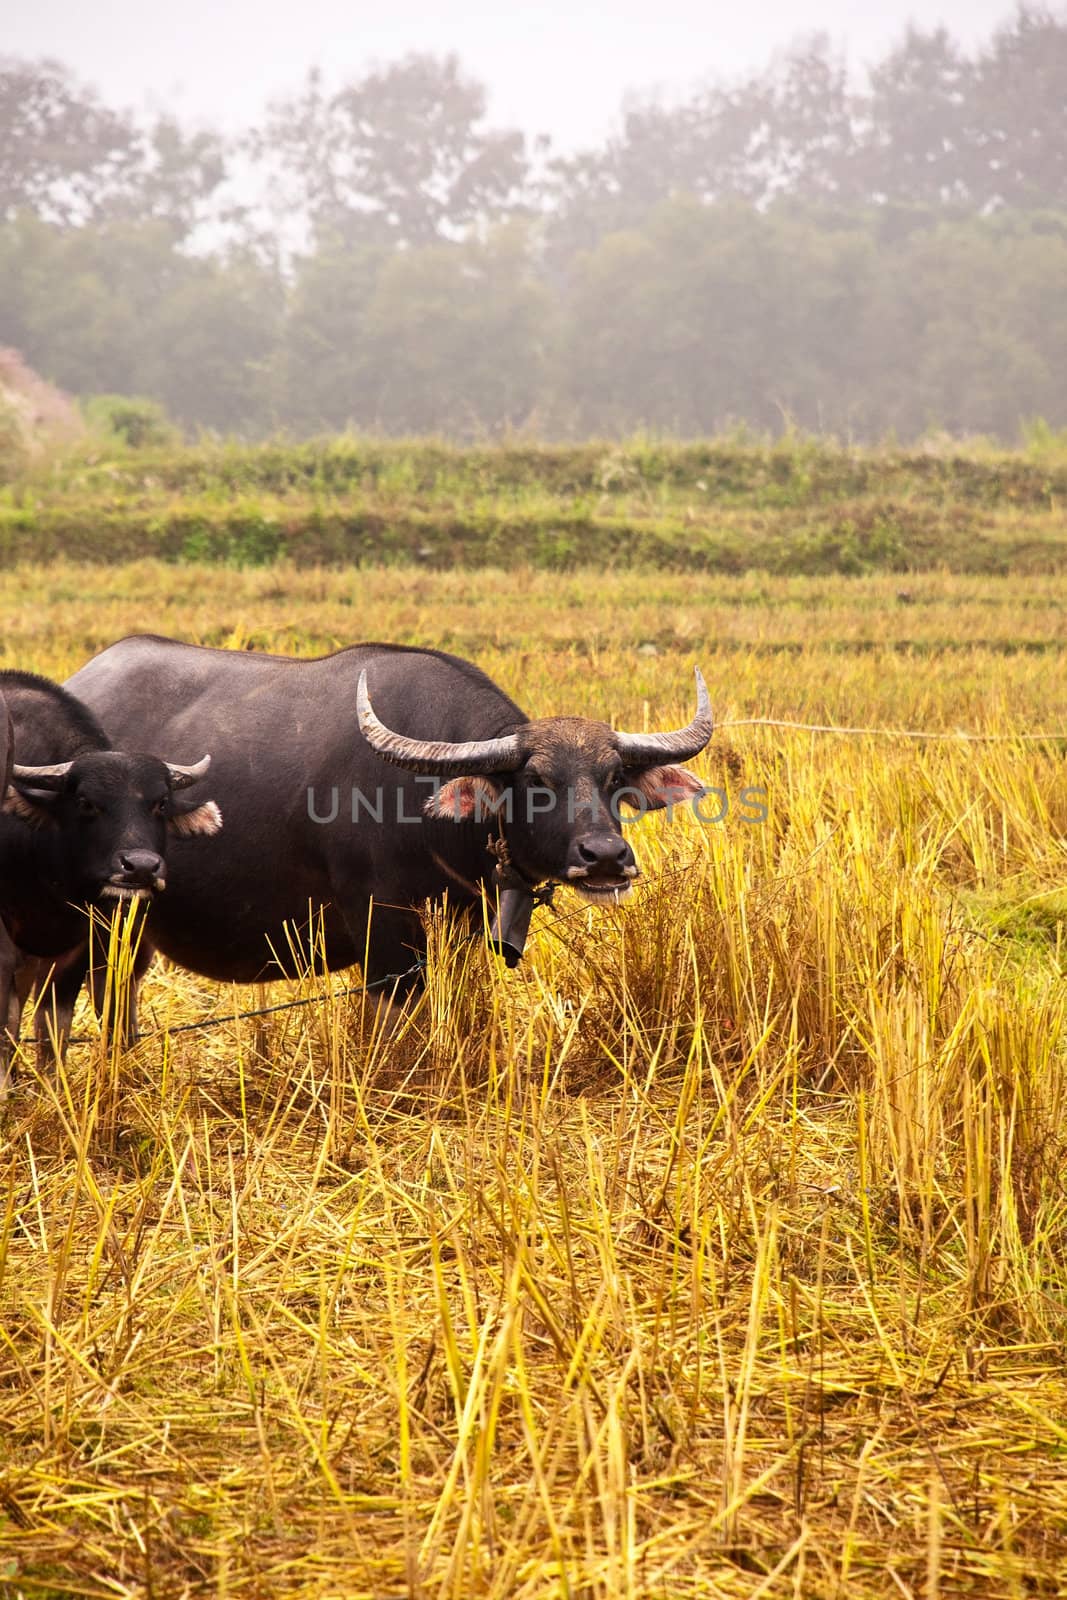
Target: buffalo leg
x=59 y=985
x=98 y=985
x=10 y=1008
x=396 y=944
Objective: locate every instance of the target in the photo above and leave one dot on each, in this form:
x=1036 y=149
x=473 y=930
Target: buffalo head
x=557 y=786
x=110 y=815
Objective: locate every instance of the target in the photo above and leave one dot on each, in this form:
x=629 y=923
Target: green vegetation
x=126 y=420
x=797 y=506
x=717 y=1251
x=687 y=320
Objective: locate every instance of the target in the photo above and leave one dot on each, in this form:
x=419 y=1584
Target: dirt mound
x=33 y=413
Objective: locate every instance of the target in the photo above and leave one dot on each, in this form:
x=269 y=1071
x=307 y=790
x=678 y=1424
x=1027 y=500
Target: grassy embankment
x=794 y=507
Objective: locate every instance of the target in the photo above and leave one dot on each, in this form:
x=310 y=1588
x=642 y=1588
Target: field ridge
x=718 y=507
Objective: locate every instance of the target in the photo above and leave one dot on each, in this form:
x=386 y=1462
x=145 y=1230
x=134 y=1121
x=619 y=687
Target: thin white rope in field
x=894 y=733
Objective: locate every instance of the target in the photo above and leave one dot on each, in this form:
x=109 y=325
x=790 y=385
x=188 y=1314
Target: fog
x=560 y=67
x=262 y=227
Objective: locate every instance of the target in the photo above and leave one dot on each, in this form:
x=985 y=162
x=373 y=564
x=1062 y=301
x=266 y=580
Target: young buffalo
x=82 y=826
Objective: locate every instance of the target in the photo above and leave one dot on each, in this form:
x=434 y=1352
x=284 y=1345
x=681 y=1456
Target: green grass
x=797 y=507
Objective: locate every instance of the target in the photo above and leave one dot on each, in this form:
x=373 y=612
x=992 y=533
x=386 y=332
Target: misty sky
x=561 y=67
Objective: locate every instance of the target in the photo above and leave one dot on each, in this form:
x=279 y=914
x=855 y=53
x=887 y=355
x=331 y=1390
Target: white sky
x=560 y=68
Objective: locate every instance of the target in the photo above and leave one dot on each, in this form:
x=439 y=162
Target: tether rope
x=895 y=733
x=259 y=1011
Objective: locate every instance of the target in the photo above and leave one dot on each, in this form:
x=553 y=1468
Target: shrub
x=140 y=424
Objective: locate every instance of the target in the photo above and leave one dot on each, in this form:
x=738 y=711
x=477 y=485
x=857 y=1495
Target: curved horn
x=434 y=756
x=182 y=777
x=42 y=777
x=649 y=749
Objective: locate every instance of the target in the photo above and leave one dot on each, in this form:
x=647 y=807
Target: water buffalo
x=379 y=774
x=81 y=825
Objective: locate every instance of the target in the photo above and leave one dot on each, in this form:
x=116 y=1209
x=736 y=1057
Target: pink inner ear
x=668 y=786
x=463 y=798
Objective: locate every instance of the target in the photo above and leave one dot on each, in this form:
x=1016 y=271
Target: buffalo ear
x=35 y=806
x=460 y=799
x=203 y=820
x=667 y=786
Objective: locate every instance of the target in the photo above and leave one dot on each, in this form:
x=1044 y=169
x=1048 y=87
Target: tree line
x=794 y=247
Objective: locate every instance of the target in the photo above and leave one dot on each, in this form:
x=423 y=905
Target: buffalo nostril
x=145 y=863
x=605 y=853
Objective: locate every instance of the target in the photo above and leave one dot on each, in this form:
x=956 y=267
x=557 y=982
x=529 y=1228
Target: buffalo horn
x=434 y=756
x=182 y=777
x=42 y=777
x=649 y=749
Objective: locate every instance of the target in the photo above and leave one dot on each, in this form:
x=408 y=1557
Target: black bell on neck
x=511 y=924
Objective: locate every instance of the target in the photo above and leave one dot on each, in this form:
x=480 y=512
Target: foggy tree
x=810 y=133
x=711 y=315
x=400 y=155
x=1018 y=140
x=447 y=337
x=918 y=115
x=704 y=315
x=933 y=126
x=706 y=147
x=67 y=301
x=61 y=150
x=116 y=309
x=936 y=126
x=209 y=345
x=323 y=370
x=175 y=179
x=70 y=160
x=965 y=321
x=789 y=131
x=458 y=337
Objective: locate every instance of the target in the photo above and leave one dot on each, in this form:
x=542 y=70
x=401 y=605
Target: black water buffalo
x=329 y=809
x=81 y=825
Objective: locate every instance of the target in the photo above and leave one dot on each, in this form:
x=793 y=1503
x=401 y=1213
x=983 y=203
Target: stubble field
x=719 y=1250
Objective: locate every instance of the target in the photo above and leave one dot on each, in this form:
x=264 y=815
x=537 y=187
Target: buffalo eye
x=86 y=808
x=159 y=807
